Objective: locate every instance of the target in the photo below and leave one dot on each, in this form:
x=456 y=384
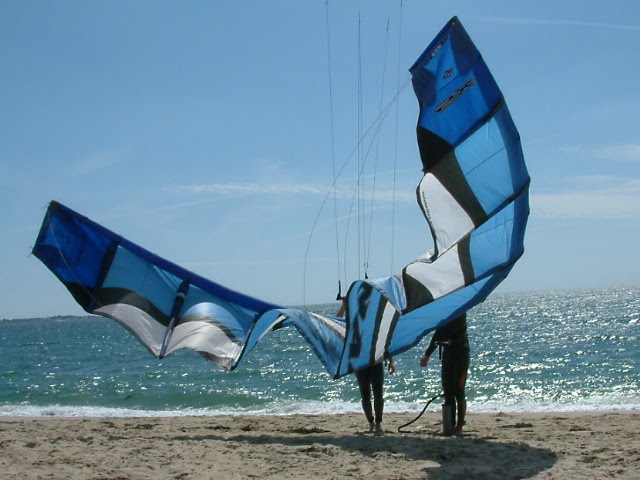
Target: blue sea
x=540 y=351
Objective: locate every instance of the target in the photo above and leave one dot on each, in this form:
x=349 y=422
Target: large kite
x=474 y=195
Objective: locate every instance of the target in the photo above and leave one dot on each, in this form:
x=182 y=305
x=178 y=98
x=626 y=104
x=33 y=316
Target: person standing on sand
x=454 y=351
x=371 y=379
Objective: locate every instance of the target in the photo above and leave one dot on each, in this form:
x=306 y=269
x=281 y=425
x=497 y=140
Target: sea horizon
x=563 y=351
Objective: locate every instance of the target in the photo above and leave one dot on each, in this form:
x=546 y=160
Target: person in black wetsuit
x=453 y=342
x=371 y=379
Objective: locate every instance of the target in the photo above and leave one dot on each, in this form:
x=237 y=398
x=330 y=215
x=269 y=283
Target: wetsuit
x=454 y=342
x=372 y=379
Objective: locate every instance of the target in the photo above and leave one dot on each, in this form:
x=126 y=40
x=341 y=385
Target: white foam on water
x=312 y=408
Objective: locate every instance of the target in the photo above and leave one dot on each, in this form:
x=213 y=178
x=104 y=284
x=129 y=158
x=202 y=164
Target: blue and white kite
x=474 y=195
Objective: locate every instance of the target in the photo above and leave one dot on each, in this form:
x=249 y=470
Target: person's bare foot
x=378 y=430
x=458 y=431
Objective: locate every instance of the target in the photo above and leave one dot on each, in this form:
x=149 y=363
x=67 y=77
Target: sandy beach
x=540 y=445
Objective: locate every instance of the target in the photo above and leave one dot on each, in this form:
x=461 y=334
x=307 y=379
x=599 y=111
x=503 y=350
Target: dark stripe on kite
x=417 y=294
x=112 y=296
x=432 y=148
x=451 y=176
x=382 y=303
x=107 y=260
x=464 y=257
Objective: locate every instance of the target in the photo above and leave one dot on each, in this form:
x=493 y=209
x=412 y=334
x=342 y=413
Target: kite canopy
x=165 y=306
x=474 y=195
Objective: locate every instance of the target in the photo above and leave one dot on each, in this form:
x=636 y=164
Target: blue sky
x=202 y=131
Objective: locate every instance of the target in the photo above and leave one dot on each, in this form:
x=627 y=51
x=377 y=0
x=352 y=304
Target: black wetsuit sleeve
x=433 y=343
x=449 y=331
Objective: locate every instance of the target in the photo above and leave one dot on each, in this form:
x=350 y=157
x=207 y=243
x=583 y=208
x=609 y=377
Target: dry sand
x=500 y=446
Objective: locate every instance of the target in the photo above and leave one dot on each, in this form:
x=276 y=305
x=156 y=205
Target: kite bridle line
x=366 y=243
x=376 y=122
x=333 y=150
x=395 y=151
x=356 y=192
x=367 y=253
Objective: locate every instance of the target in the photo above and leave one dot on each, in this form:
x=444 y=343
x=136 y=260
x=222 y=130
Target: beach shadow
x=452 y=457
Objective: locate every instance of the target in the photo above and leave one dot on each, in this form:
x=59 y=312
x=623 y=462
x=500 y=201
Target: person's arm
x=424 y=360
x=391 y=365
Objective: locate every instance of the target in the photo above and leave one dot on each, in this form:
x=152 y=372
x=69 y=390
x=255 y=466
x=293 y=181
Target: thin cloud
x=206 y=194
x=242 y=261
x=252 y=189
x=628 y=152
x=597 y=198
x=608 y=183
x=560 y=22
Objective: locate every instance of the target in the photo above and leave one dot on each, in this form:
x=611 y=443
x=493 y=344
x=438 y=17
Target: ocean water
x=541 y=351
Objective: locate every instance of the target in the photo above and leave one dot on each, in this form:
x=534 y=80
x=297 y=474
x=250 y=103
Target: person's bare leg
x=462 y=411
